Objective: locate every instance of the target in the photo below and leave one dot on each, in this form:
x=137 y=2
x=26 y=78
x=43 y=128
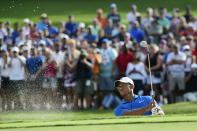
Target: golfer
x=132 y=104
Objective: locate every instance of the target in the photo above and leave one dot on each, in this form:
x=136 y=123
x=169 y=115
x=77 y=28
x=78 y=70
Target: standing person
x=42 y=25
x=50 y=82
x=175 y=65
x=133 y=105
x=58 y=56
x=105 y=80
x=69 y=82
x=132 y=16
x=17 y=78
x=114 y=15
x=124 y=57
x=136 y=71
x=34 y=92
x=83 y=80
x=90 y=37
x=26 y=27
x=136 y=32
x=156 y=69
x=102 y=20
x=71 y=26
x=97 y=59
x=4 y=71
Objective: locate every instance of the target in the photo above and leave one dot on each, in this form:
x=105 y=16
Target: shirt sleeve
x=119 y=111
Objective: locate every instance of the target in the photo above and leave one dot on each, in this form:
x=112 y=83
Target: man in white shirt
x=58 y=55
x=17 y=78
x=4 y=83
x=132 y=16
x=175 y=66
x=146 y=22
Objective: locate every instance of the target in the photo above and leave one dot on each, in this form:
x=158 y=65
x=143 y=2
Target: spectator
x=42 y=25
x=146 y=22
x=71 y=26
x=124 y=57
x=155 y=31
x=188 y=16
x=59 y=56
x=83 y=80
x=82 y=31
x=132 y=16
x=102 y=20
x=17 y=78
x=137 y=33
x=90 y=37
x=96 y=28
x=156 y=69
x=163 y=21
x=4 y=72
x=105 y=80
x=15 y=33
x=26 y=27
x=114 y=15
x=175 y=65
x=2 y=30
x=53 y=31
x=108 y=30
x=136 y=71
x=34 y=93
x=50 y=82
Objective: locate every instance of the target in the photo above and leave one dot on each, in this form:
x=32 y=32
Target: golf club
x=144 y=44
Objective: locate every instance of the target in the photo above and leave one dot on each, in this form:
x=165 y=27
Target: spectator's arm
x=159 y=63
x=188 y=77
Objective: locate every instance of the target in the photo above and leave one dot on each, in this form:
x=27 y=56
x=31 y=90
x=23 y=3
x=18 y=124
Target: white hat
x=64 y=36
x=124 y=80
x=186 y=47
x=90 y=27
x=113 y=5
x=26 y=20
x=81 y=25
x=42 y=42
x=194 y=66
x=15 y=49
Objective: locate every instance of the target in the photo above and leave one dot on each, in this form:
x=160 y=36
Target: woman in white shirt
x=136 y=71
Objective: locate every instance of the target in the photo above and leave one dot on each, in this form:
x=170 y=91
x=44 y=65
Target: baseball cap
x=113 y=5
x=43 y=15
x=64 y=36
x=186 y=47
x=81 y=25
x=124 y=80
x=26 y=20
x=15 y=49
x=105 y=41
x=42 y=42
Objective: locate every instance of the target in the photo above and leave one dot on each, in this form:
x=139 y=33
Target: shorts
x=173 y=81
x=4 y=82
x=49 y=82
x=84 y=86
x=106 y=84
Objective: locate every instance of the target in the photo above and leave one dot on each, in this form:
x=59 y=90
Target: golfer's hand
x=151 y=105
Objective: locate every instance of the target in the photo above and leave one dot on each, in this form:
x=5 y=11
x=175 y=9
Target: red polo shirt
x=122 y=60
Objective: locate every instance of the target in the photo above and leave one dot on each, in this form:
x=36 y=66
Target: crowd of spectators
x=74 y=66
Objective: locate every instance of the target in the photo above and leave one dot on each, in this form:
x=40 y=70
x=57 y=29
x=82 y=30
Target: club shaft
x=150 y=74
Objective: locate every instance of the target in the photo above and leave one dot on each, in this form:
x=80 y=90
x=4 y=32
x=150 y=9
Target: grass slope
x=83 y=10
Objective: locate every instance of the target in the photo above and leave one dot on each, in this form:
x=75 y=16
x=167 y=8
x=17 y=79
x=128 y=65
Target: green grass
x=185 y=113
x=83 y=10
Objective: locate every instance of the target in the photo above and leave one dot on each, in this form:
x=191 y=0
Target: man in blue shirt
x=137 y=33
x=42 y=25
x=133 y=104
x=71 y=26
x=33 y=71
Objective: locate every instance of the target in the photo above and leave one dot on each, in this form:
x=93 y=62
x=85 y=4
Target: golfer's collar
x=124 y=101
